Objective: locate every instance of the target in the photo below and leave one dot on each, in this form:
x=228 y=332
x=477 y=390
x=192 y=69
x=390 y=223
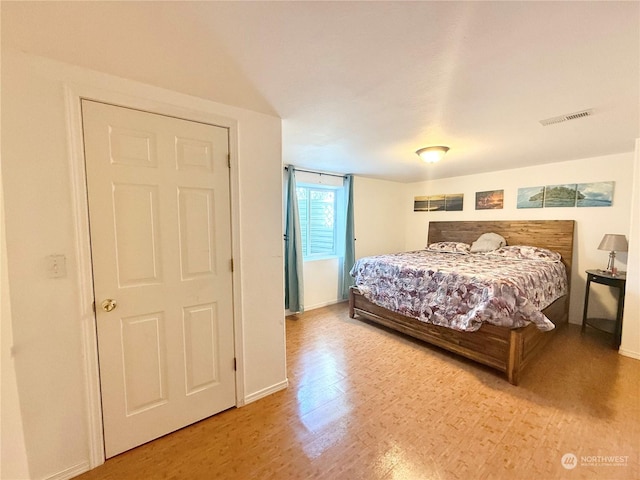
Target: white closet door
x=159 y=208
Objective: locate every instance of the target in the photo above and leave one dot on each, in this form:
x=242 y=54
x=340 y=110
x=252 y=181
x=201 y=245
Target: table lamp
x=614 y=243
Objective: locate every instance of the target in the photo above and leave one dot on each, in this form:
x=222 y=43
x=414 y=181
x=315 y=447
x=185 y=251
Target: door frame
x=201 y=111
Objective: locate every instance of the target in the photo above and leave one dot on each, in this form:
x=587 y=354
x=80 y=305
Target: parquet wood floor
x=367 y=403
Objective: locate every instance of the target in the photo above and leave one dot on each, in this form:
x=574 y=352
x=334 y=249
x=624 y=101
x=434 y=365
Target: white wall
x=46 y=314
x=630 y=345
x=13 y=459
x=46 y=334
x=591 y=222
x=321 y=283
x=379 y=216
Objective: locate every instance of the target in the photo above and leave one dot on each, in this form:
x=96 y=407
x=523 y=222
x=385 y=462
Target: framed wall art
x=490 y=200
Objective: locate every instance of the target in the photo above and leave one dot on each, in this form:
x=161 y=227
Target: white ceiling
x=361 y=85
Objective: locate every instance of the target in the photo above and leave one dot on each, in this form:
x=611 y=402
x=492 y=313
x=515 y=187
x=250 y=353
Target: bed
x=506 y=349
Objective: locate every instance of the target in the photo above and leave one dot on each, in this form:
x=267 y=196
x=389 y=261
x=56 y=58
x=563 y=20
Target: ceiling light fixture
x=432 y=154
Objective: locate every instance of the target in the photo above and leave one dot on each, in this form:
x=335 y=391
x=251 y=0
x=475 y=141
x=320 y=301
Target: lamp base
x=611 y=268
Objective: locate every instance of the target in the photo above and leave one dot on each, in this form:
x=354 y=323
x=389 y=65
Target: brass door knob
x=109 y=304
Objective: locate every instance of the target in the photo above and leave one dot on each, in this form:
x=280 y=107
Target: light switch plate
x=56 y=266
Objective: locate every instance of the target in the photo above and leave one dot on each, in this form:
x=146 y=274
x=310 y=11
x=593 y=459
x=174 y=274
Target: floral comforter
x=462 y=291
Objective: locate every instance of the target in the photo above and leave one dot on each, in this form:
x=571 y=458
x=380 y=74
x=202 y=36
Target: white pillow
x=488 y=242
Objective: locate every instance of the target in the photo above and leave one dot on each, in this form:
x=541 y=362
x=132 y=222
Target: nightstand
x=611 y=326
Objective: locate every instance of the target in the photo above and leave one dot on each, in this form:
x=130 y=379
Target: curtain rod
x=317 y=173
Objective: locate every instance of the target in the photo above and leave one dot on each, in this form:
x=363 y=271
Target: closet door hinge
x=229 y=160
x=235 y=364
x=231 y=264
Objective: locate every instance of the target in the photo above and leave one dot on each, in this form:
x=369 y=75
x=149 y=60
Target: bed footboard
x=506 y=350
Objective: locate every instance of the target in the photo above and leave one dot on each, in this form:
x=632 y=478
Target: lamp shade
x=614 y=243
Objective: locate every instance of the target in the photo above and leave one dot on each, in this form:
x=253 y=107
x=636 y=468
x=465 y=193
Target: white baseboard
x=629 y=353
x=288 y=312
x=70 y=472
x=252 y=397
x=322 y=304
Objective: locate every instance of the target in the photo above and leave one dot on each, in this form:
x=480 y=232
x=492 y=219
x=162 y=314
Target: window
x=317 y=208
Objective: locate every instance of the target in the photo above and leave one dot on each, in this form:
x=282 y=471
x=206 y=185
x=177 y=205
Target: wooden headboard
x=556 y=235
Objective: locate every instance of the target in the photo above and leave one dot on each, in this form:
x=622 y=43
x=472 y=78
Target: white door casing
x=159 y=206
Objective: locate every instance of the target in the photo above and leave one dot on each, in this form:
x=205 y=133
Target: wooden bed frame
x=507 y=350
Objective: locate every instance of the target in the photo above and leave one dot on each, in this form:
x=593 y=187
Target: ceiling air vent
x=567 y=117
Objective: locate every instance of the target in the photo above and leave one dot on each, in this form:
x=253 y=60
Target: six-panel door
x=159 y=207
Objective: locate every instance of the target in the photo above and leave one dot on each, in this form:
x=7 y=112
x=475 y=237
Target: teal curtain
x=349 y=241
x=294 y=285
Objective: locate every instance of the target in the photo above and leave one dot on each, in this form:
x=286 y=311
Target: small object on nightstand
x=604 y=324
